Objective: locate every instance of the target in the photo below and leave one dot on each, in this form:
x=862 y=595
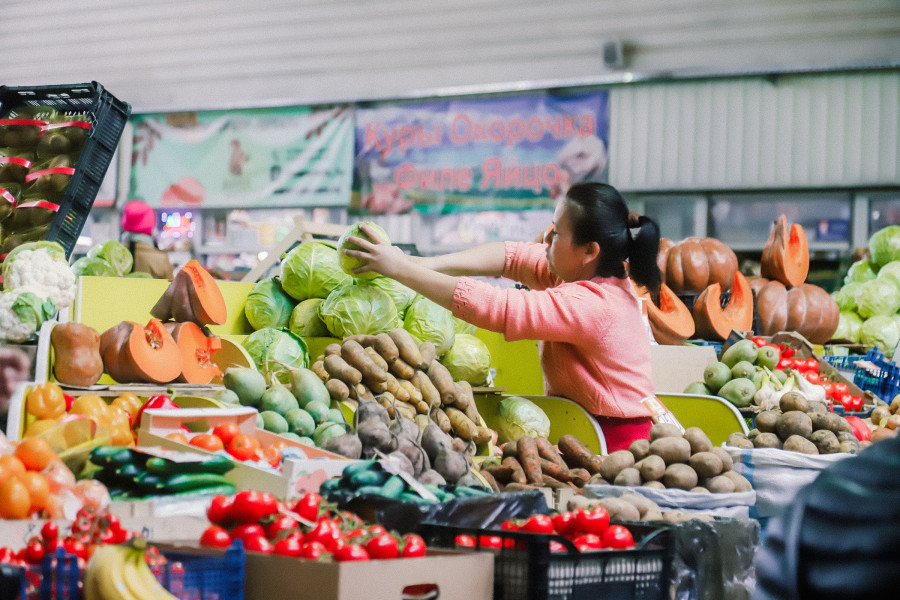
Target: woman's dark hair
x=600 y=215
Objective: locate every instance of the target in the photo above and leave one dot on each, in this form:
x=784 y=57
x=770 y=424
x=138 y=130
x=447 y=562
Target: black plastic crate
x=526 y=569
x=109 y=118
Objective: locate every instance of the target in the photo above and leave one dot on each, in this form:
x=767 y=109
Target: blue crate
x=194 y=576
x=58 y=575
x=883 y=380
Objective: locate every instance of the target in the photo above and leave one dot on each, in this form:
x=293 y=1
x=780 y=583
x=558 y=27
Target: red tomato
x=588 y=541
x=859 y=427
x=786 y=351
x=383 y=547
x=249 y=506
x=856 y=403
x=34 y=552
x=226 y=431
x=490 y=541
x=243 y=446
x=617 y=537
x=413 y=546
x=839 y=391
x=207 y=441
x=327 y=532
x=557 y=547
x=376 y=530
x=292 y=545
x=280 y=527
x=51 y=546
x=563 y=523
x=215 y=537
x=257 y=543
x=350 y=552
x=811 y=364
x=307 y=506
x=75 y=546
x=465 y=541
x=357 y=533
x=538 y=524
x=272 y=456
x=49 y=531
x=813 y=377
x=7 y=555
x=759 y=341
x=247 y=530
x=219 y=511
x=595 y=520
x=784 y=363
x=312 y=550
x=828 y=387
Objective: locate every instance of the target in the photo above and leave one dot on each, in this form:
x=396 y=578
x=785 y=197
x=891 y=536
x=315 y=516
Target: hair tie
x=633 y=220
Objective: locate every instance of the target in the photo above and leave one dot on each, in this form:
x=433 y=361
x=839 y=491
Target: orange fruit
x=15 y=501
x=35 y=453
x=38 y=488
x=176 y=436
x=11 y=465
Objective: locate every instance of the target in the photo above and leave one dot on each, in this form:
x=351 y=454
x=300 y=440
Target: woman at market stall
x=581 y=304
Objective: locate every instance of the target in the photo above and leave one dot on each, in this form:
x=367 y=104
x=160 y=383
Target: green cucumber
x=374 y=490
x=193 y=481
x=214 y=464
x=149 y=482
x=442 y=495
x=393 y=487
x=356 y=467
x=223 y=489
x=363 y=478
x=329 y=485
x=413 y=497
x=465 y=490
x=106 y=456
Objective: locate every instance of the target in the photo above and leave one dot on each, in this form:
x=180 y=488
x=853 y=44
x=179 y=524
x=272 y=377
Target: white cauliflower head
x=22 y=311
x=44 y=271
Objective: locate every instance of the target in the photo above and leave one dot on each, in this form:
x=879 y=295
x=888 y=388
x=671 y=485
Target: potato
x=655 y=485
x=628 y=477
x=662 y=430
x=698 y=440
x=882 y=433
x=578 y=501
x=699 y=490
x=794 y=423
x=720 y=484
x=615 y=462
x=651 y=468
x=817 y=407
x=793 y=400
x=653 y=514
x=766 y=420
x=825 y=440
x=767 y=440
x=671 y=449
x=741 y=484
x=706 y=464
x=727 y=461
x=640 y=449
x=743 y=443
x=879 y=413
x=598 y=480
x=849 y=447
x=680 y=476
x=676 y=516
x=863 y=444
x=846 y=436
x=798 y=443
x=620 y=510
x=642 y=503
x=733 y=438
x=751 y=435
x=842 y=425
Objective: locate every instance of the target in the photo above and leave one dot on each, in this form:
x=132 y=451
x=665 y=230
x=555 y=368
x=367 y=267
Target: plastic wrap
x=734 y=505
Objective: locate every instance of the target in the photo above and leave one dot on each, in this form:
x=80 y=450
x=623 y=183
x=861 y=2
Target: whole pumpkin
x=807 y=309
x=694 y=264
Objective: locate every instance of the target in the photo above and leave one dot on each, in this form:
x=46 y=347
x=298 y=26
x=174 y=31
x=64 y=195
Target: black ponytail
x=600 y=215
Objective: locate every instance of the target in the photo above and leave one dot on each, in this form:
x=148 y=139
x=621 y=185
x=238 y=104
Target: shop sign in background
x=282 y=157
x=491 y=154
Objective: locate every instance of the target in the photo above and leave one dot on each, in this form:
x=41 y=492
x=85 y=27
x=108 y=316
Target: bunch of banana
x=121 y=572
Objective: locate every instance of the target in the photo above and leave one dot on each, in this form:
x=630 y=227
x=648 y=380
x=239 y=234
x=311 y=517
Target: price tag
x=391 y=467
x=660 y=413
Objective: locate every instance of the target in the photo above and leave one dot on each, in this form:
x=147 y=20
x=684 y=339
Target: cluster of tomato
x=229 y=437
x=306 y=528
x=588 y=529
x=88 y=530
x=837 y=391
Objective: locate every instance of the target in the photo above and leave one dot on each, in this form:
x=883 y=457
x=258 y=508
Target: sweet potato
x=441 y=419
x=517 y=474
x=491 y=481
x=529 y=458
x=386 y=347
x=407 y=347
x=462 y=425
x=338 y=367
x=443 y=382
x=515 y=486
x=363 y=339
x=465 y=400
x=501 y=473
x=414 y=394
x=482 y=435
x=429 y=353
x=429 y=392
x=334 y=348
x=554 y=470
x=394 y=387
x=576 y=454
x=355 y=356
x=402 y=369
x=337 y=389
x=580 y=477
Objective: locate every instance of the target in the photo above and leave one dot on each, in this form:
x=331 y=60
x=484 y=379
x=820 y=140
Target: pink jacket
x=594 y=349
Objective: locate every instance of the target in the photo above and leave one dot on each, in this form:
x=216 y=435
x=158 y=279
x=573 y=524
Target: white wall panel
x=202 y=54
x=750 y=133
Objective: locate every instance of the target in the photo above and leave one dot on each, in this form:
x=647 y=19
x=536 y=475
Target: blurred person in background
x=138 y=221
x=15 y=366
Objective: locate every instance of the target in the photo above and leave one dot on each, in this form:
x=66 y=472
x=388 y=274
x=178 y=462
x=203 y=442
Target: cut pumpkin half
x=785 y=257
x=713 y=322
x=133 y=353
x=196 y=353
x=671 y=322
x=193 y=296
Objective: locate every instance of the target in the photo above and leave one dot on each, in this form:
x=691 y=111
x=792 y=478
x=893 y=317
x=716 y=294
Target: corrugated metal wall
x=197 y=54
x=804 y=131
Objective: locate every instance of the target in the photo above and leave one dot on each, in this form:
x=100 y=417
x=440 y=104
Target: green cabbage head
x=115 y=254
x=848 y=327
x=430 y=322
x=890 y=272
x=468 y=359
x=358 y=309
x=348 y=263
x=877 y=297
x=399 y=293
x=274 y=351
x=519 y=417
x=93 y=267
x=461 y=326
x=860 y=271
x=884 y=245
x=305 y=320
x=268 y=306
x=311 y=270
x=882 y=331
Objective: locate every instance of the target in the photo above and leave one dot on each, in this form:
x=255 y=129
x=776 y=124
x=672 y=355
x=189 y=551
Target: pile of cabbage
x=314 y=296
x=870 y=297
x=107 y=259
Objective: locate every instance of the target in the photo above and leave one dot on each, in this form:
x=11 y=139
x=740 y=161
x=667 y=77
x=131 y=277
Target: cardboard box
x=298 y=475
x=457 y=575
x=168 y=519
x=674 y=367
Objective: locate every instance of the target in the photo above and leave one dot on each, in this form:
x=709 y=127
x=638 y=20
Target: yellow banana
x=141 y=581
x=109 y=566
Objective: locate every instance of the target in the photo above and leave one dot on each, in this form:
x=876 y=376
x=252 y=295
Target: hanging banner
x=504 y=153
x=272 y=158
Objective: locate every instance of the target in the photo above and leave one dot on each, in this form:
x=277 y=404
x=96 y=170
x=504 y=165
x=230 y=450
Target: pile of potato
x=800 y=426
x=884 y=422
x=634 y=507
x=671 y=459
x=401 y=375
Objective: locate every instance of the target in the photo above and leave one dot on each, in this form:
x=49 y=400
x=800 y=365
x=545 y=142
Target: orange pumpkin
x=785 y=256
x=134 y=353
x=196 y=350
x=693 y=264
x=671 y=322
x=807 y=309
x=714 y=322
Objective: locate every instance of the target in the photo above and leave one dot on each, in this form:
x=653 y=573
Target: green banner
x=260 y=158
